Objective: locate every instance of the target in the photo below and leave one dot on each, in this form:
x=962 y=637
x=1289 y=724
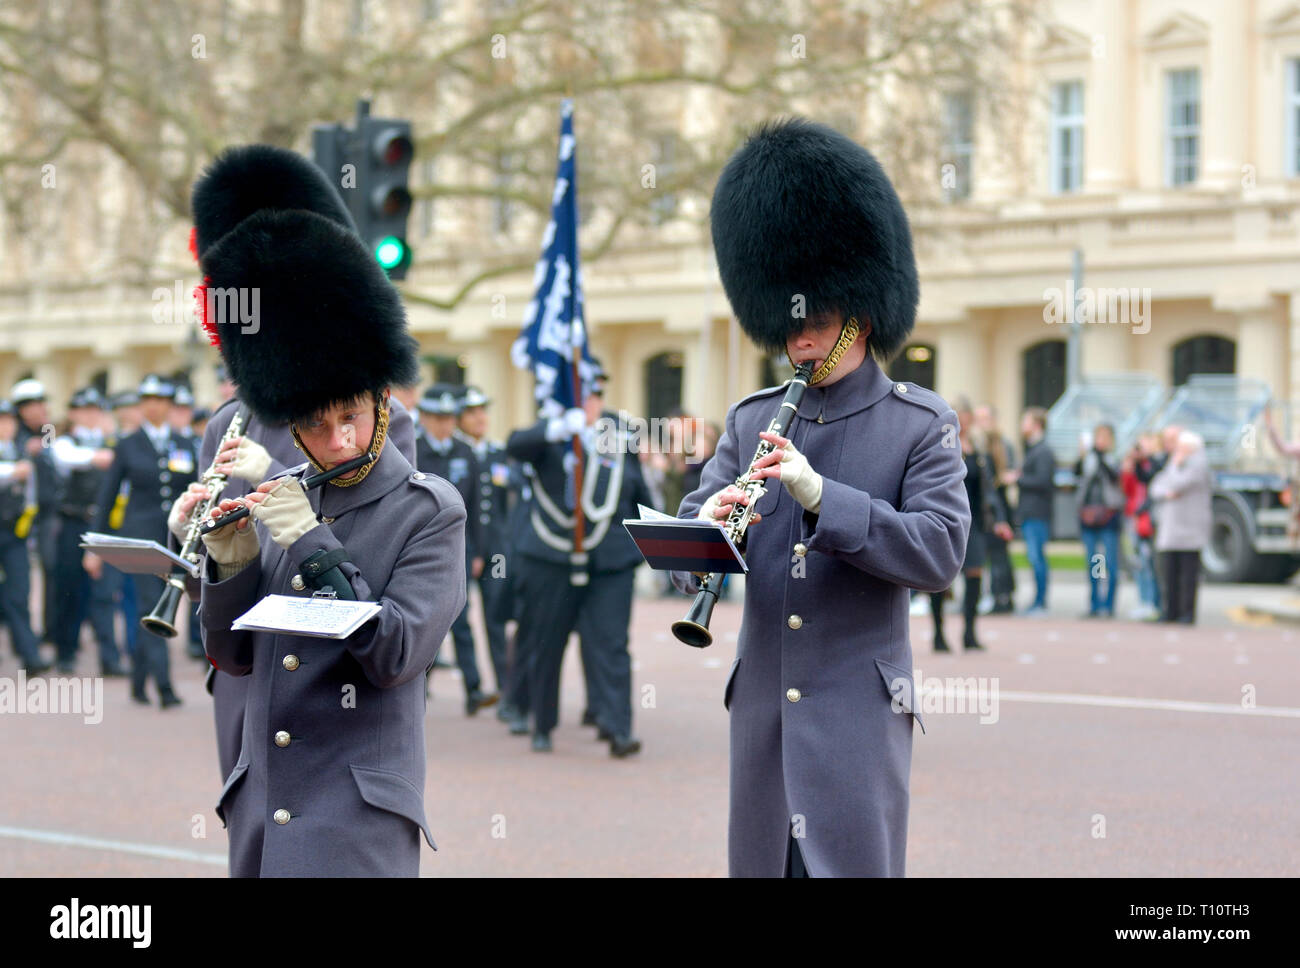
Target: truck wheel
x=1228 y=557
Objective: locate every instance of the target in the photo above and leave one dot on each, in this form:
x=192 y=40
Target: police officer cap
x=6 y=408
x=474 y=397
x=87 y=397
x=27 y=391
x=441 y=398
x=200 y=415
x=183 y=397
x=126 y=398
x=155 y=386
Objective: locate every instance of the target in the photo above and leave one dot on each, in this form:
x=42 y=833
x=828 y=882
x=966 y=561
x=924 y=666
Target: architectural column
x=1108 y=101
x=959 y=364
x=1224 y=93
x=1261 y=347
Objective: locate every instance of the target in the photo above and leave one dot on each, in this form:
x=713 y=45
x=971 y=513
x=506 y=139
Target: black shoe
x=140 y=697
x=970 y=644
x=113 y=672
x=476 y=701
x=37 y=668
x=170 y=699
x=507 y=713
x=589 y=718
x=622 y=746
x=67 y=668
x=541 y=742
x=941 y=646
x=603 y=735
x=519 y=726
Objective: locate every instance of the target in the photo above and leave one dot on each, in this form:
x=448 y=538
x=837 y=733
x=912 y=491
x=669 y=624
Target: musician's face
x=817 y=340
x=340 y=432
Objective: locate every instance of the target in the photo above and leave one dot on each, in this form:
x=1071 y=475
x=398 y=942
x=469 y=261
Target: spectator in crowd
x=1135 y=471
x=1182 y=491
x=1036 y=480
x=999 y=598
x=1100 y=505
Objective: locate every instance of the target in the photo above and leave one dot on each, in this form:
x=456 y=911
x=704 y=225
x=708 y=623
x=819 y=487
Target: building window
x=1065 y=151
x=915 y=364
x=959 y=138
x=663 y=385
x=1292 y=102
x=1183 y=137
x=1043 y=373
x=1203 y=354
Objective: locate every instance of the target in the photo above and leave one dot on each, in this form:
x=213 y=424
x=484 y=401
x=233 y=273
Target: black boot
x=969 y=606
x=936 y=610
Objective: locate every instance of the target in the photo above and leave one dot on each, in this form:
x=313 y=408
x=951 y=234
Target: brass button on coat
x=281 y=816
x=282 y=739
x=290 y=662
x=801 y=549
x=296 y=583
x=795 y=622
x=794 y=695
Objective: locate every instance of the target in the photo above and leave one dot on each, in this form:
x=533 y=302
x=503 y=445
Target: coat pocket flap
x=394 y=793
x=232 y=781
x=726 y=690
x=902 y=691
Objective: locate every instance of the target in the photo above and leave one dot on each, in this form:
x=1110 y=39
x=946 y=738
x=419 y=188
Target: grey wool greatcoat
x=330 y=778
x=820 y=693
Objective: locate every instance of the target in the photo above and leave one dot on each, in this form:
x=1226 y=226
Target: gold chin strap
x=847 y=336
x=376 y=445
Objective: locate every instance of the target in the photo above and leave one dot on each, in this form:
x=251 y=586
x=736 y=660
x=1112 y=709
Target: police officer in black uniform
x=560 y=590
x=438 y=451
x=82 y=458
x=35 y=435
x=17 y=508
x=158 y=465
x=495 y=493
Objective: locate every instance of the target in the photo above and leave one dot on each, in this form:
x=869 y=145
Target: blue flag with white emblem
x=553 y=323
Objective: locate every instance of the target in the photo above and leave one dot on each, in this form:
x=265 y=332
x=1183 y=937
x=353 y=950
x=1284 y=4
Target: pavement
x=1070 y=748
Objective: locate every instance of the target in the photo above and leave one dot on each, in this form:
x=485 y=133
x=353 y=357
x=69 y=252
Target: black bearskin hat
x=801 y=210
x=305 y=317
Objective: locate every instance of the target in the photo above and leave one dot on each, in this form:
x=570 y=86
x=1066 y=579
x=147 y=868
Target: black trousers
x=462 y=637
x=551 y=607
x=1181 y=571
x=79 y=598
x=495 y=593
x=1002 y=578
x=150 y=659
x=15 y=595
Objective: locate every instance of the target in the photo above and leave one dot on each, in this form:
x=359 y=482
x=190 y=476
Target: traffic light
x=370 y=165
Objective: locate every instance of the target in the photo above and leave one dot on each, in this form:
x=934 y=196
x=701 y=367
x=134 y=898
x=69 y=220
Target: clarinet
x=162 y=620
x=694 y=628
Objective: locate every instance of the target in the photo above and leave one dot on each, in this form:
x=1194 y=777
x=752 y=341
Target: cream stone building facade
x=1161 y=139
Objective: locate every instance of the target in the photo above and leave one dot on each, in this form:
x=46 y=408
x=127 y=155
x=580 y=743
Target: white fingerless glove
x=562 y=428
x=233 y=550
x=803 y=483
x=178 y=523
x=251 y=461
x=710 y=507
x=286 y=513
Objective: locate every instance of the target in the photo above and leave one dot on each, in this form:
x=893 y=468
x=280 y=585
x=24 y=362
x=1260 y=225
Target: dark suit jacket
x=458 y=467
x=156 y=478
x=549 y=532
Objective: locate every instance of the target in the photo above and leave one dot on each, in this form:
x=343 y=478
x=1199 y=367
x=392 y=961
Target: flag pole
x=578 y=576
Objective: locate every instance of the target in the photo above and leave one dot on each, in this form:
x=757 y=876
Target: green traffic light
x=391 y=252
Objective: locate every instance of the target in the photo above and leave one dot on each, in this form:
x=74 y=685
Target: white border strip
x=1127 y=702
x=121 y=846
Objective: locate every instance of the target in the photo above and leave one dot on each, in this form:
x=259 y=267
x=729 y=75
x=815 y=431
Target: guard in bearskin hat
x=815 y=254
x=260 y=450
x=330 y=774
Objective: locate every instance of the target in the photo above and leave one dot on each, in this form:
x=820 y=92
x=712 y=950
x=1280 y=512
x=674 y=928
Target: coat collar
x=857 y=391
x=390 y=471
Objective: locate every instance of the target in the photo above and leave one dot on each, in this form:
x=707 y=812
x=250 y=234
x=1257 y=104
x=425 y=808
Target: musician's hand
x=179 y=518
x=719 y=506
x=285 y=511
x=233 y=545
x=792 y=469
x=93 y=565
x=242 y=457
